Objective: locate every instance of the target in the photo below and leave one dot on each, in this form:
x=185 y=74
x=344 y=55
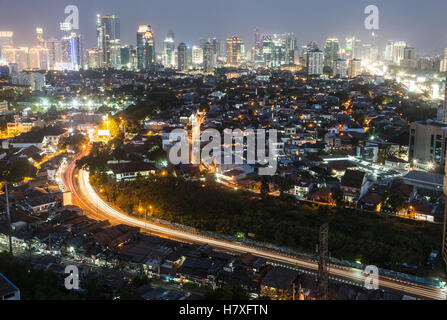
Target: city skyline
x=304 y=20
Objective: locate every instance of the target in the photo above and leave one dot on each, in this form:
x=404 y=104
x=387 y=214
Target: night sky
x=421 y=23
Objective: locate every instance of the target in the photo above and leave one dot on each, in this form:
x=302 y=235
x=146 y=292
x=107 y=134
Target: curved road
x=84 y=193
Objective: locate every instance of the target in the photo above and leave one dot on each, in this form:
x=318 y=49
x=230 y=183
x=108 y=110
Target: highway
x=88 y=199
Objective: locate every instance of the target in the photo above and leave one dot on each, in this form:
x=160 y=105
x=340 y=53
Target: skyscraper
x=99 y=33
x=234 y=51
x=145 y=47
x=39 y=37
x=331 y=52
x=354 y=68
x=169 y=50
x=6 y=41
x=315 y=62
x=267 y=51
x=39 y=58
x=398 y=51
x=339 y=68
x=197 y=56
x=54 y=52
x=353 y=48
x=95 y=58
x=182 y=57
x=111 y=40
x=71 y=51
x=209 y=58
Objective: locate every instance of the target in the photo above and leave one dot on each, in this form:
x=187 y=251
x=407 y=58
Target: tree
x=229 y=292
x=337 y=196
x=265 y=187
x=18 y=170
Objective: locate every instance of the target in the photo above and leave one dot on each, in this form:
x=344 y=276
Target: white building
x=315 y=62
x=35 y=80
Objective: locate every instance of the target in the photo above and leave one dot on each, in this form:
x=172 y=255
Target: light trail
x=89 y=199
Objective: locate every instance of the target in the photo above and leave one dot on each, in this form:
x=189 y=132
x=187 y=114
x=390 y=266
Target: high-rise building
x=71 y=52
x=340 y=68
x=354 y=68
x=409 y=60
x=95 y=58
x=182 y=56
x=443 y=65
x=389 y=50
x=331 y=52
x=267 y=51
x=99 y=34
x=197 y=56
x=39 y=37
x=209 y=58
x=111 y=43
x=18 y=56
x=235 y=50
x=39 y=58
x=168 y=56
x=398 y=51
x=353 y=48
x=6 y=41
x=54 y=52
x=145 y=47
x=125 y=57
x=428 y=143
x=315 y=62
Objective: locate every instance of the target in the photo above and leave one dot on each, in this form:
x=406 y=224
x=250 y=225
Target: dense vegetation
x=48 y=285
x=371 y=238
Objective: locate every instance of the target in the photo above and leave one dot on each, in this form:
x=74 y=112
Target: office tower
x=39 y=58
x=39 y=37
x=95 y=58
x=398 y=51
x=54 y=52
x=111 y=40
x=267 y=51
x=197 y=56
x=6 y=41
x=290 y=48
x=71 y=52
x=340 y=68
x=235 y=48
x=331 y=52
x=99 y=33
x=409 y=60
x=125 y=57
x=169 y=50
x=278 y=51
x=209 y=58
x=367 y=53
x=353 y=48
x=315 y=62
x=354 y=68
x=17 y=56
x=443 y=64
x=389 y=51
x=6 y=38
x=428 y=142
x=182 y=56
x=145 y=47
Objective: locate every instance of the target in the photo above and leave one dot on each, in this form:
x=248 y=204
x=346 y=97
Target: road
x=88 y=199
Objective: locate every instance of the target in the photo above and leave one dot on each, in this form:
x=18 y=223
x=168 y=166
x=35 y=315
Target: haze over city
x=251 y=150
x=421 y=23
